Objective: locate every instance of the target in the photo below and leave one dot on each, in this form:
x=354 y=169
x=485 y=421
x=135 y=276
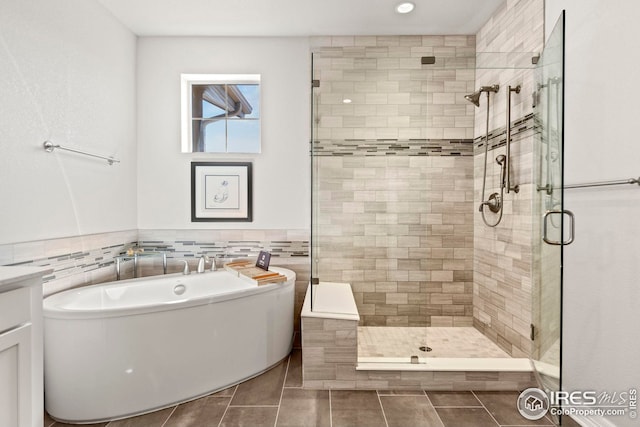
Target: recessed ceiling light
x=346 y=101
x=405 y=7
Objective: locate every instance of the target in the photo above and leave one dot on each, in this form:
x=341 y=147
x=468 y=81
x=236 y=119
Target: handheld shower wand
x=494 y=202
x=502 y=161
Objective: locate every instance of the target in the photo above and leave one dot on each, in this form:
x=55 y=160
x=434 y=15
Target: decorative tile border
x=227 y=249
x=88 y=259
x=69 y=257
x=83 y=262
x=394 y=147
x=498 y=136
x=227 y=243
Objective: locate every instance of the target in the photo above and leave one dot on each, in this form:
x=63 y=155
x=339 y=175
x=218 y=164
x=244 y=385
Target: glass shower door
x=315 y=183
x=550 y=219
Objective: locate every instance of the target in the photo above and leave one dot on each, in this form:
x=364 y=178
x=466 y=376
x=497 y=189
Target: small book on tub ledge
x=247 y=270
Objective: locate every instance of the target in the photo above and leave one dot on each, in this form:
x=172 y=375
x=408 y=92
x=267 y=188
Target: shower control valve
x=494 y=203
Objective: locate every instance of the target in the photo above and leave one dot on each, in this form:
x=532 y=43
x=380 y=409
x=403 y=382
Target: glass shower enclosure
x=394 y=160
x=550 y=217
x=388 y=163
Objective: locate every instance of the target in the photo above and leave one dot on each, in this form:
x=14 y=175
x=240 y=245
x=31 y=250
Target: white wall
x=602 y=267
x=68 y=75
x=281 y=182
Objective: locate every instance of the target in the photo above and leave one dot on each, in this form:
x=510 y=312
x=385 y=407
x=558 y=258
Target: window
x=221 y=113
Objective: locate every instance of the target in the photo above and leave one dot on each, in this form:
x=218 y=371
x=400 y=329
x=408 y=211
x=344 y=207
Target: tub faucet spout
x=201 y=263
x=185 y=269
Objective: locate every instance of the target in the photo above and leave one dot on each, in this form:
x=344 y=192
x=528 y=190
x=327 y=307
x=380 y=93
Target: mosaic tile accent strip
x=227 y=249
x=77 y=256
x=69 y=264
x=90 y=259
x=423 y=147
x=498 y=136
x=66 y=265
x=226 y=244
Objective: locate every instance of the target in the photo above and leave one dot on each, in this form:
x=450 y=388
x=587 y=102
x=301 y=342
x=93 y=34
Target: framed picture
x=221 y=191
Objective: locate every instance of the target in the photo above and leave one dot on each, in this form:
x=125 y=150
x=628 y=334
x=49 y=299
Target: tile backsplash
x=75 y=261
x=90 y=259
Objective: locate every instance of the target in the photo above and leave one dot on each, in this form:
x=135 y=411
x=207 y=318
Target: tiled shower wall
x=394 y=175
x=393 y=95
x=399 y=229
x=503 y=259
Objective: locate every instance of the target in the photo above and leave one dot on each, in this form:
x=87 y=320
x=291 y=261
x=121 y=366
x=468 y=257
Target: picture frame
x=221 y=192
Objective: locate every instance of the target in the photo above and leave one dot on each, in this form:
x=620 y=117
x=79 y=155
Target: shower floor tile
x=381 y=341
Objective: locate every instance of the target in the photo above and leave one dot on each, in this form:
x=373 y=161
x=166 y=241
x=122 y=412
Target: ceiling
x=299 y=17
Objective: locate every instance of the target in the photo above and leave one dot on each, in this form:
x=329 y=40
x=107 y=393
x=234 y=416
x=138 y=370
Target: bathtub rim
x=52 y=311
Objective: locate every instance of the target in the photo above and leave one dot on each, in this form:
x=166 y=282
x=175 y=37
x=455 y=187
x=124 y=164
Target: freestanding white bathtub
x=126 y=348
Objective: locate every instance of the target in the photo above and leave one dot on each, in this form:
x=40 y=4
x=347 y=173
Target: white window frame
x=187 y=82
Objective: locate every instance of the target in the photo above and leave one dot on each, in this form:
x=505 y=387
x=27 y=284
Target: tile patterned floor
x=277 y=399
x=380 y=341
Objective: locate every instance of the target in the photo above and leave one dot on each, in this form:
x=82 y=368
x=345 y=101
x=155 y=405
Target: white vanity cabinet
x=21 y=364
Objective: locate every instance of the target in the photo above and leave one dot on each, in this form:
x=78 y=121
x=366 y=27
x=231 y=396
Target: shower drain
x=425 y=348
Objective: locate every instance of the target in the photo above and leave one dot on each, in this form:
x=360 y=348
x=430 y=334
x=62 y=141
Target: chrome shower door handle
x=572 y=227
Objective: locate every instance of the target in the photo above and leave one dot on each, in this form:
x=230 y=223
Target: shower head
x=474 y=97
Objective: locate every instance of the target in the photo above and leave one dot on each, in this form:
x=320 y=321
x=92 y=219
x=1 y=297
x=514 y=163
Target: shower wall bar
x=507 y=184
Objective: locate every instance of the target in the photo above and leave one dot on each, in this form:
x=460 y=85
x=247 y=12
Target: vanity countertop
x=10 y=277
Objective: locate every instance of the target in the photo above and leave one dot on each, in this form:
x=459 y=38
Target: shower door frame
x=550 y=225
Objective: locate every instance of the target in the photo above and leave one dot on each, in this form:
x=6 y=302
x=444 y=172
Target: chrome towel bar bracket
x=50 y=146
